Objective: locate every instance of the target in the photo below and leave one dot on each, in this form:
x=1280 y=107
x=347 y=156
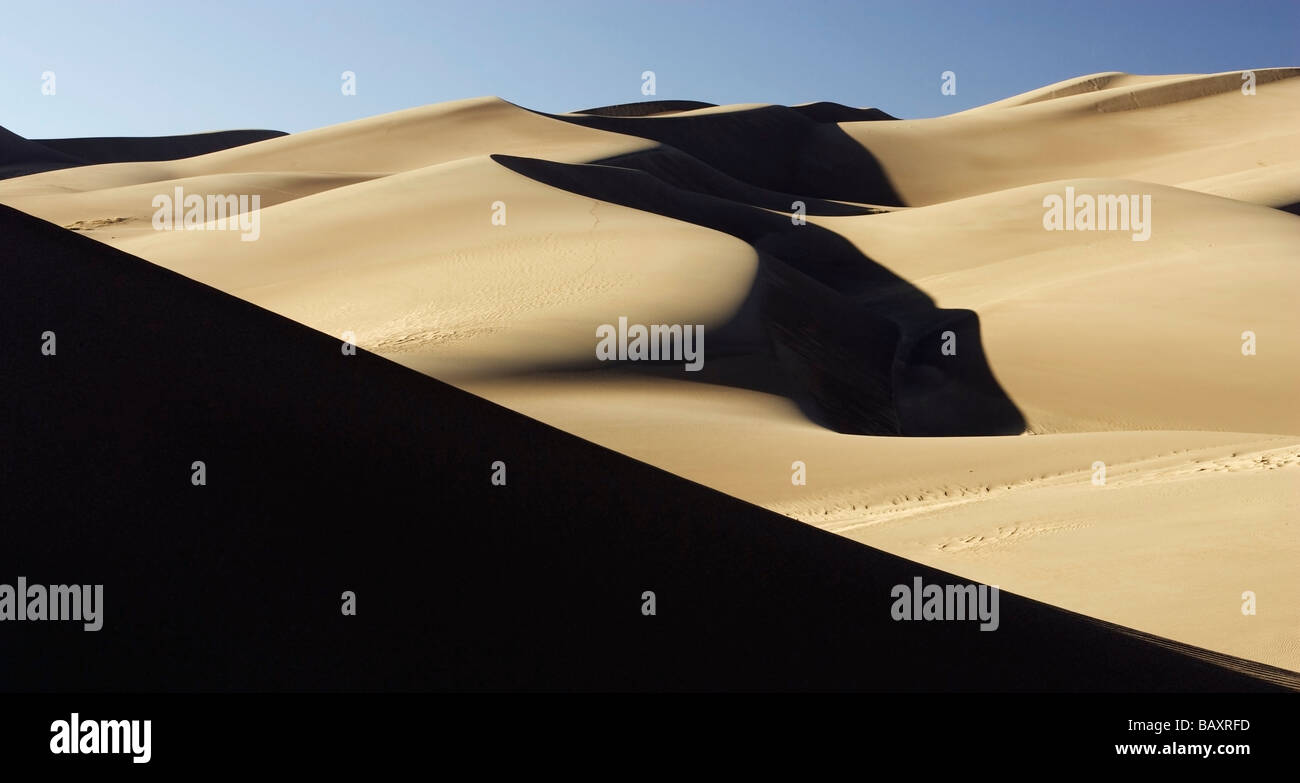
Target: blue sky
x=153 y=68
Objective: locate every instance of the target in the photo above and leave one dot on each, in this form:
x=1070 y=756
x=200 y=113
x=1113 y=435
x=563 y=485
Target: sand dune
x=387 y=144
x=824 y=340
x=1165 y=130
x=453 y=283
x=127 y=148
x=1094 y=331
x=785 y=149
x=360 y=439
x=646 y=108
x=20 y=157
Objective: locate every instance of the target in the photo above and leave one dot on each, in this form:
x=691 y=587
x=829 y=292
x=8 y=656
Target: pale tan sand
x=1122 y=352
x=1169 y=130
x=1186 y=522
x=1090 y=330
x=411 y=264
x=386 y=144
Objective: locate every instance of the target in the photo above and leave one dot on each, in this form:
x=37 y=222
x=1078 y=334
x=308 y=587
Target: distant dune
x=20 y=157
x=126 y=148
x=1174 y=130
x=825 y=111
x=785 y=149
x=646 y=108
x=1103 y=420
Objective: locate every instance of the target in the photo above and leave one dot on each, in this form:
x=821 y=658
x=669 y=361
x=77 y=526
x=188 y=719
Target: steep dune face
x=853 y=334
x=673 y=167
x=21 y=157
x=915 y=290
x=785 y=149
x=118 y=149
x=646 y=108
x=826 y=111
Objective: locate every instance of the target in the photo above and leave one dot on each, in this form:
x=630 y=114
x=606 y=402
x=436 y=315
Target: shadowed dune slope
x=676 y=168
x=1091 y=330
x=235 y=584
x=122 y=149
x=646 y=108
x=784 y=149
x=827 y=111
x=21 y=157
x=870 y=369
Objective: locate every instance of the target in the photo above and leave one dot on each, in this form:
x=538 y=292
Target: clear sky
x=155 y=68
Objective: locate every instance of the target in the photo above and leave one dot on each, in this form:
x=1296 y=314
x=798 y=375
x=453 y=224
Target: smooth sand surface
x=823 y=341
x=1174 y=130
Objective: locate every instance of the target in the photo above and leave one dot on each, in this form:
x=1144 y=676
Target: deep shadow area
x=774 y=147
x=20 y=157
x=328 y=473
x=829 y=111
x=676 y=168
x=864 y=346
x=645 y=108
x=120 y=149
x=819 y=111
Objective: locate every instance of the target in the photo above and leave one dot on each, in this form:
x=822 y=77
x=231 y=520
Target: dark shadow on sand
x=778 y=148
x=328 y=472
x=645 y=108
x=861 y=349
x=20 y=157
